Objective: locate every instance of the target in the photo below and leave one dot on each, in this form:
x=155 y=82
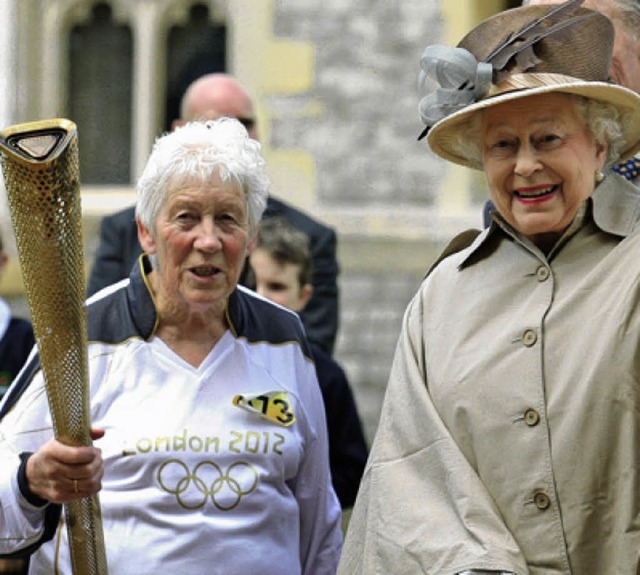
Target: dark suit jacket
x=15 y=347
x=119 y=249
x=348 y=450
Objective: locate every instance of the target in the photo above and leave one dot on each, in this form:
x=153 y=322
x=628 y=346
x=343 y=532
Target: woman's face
x=200 y=242
x=540 y=162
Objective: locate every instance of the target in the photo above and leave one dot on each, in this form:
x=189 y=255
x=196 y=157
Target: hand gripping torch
x=40 y=168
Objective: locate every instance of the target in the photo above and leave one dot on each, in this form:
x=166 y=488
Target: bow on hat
x=463 y=79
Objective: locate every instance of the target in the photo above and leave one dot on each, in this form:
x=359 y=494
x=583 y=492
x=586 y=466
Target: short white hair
x=194 y=153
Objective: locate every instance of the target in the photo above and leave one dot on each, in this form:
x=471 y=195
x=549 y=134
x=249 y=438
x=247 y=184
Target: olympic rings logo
x=193 y=488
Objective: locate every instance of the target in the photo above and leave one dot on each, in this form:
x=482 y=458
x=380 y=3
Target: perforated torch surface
x=44 y=200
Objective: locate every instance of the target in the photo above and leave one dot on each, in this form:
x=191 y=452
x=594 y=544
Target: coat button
x=543 y=273
x=531 y=417
x=541 y=500
x=529 y=337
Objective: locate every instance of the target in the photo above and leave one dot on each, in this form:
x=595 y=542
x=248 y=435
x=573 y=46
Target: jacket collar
x=142 y=306
x=613 y=207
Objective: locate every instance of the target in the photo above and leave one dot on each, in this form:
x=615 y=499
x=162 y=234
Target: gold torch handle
x=41 y=173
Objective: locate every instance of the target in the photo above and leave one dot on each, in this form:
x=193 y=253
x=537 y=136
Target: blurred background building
x=335 y=84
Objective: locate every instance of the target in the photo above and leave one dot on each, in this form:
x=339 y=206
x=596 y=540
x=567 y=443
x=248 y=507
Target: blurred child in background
x=281 y=266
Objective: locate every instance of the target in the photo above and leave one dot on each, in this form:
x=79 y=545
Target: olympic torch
x=41 y=173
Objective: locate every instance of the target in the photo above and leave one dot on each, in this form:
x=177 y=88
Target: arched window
x=196 y=48
x=100 y=103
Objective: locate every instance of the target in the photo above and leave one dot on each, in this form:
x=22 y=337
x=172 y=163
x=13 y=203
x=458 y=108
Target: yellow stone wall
x=269 y=65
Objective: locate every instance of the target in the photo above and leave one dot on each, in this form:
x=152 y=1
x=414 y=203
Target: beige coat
x=510 y=432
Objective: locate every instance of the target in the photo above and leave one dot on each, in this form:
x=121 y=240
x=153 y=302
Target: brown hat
x=518 y=53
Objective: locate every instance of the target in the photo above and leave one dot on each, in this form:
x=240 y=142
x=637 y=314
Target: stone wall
x=376 y=183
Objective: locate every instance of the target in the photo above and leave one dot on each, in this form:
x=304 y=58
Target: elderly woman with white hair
x=213 y=453
x=508 y=441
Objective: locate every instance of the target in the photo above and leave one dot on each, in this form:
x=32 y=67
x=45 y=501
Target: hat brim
x=442 y=136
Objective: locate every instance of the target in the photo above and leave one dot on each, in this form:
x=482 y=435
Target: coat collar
x=613 y=207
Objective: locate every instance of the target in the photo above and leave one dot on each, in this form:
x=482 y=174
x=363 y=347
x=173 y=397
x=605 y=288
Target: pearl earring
x=599 y=176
